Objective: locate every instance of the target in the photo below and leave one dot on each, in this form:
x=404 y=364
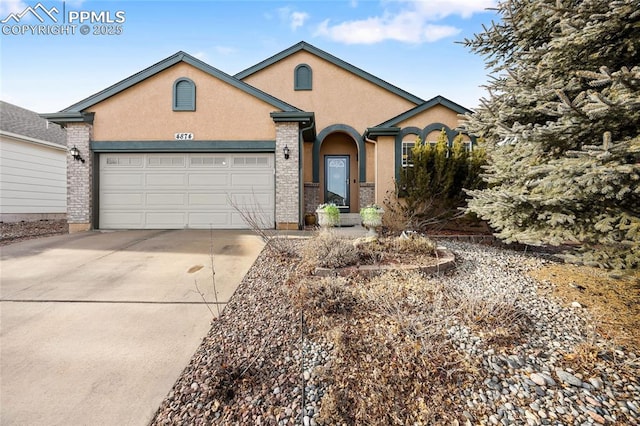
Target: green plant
x=561 y=125
x=431 y=191
x=371 y=214
x=331 y=214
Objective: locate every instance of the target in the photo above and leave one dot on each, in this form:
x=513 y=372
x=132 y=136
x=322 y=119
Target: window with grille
x=407 y=153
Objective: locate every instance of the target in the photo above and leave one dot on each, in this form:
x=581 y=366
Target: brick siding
x=79 y=178
x=287 y=176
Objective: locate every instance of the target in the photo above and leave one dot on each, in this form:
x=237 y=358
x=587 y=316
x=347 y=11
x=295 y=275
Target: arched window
x=184 y=95
x=303 y=77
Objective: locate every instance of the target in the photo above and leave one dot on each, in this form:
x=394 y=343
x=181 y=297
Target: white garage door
x=174 y=191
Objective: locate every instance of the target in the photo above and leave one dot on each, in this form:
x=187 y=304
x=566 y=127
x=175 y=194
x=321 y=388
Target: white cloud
x=11 y=6
x=292 y=18
x=224 y=50
x=298 y=19
x=436 y=32
x=412 y=23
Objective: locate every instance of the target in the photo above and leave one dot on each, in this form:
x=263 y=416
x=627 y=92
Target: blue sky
x=409 y=43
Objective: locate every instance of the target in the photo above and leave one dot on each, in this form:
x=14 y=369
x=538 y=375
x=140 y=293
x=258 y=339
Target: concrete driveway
x=96 y=327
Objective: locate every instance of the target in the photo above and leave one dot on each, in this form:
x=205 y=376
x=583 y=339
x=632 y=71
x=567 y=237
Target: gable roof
x=169 y=62
x=438 y=100
x=23 y=122
x=334 y=60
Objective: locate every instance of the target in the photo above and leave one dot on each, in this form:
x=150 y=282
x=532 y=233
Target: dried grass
x=328 y=250
x=394 y=363
x=326 y=296
x=612 y=300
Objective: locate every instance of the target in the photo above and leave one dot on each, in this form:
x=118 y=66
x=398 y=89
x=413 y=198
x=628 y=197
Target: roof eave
x=437 y=100
x=63 y=118
x=307 y=121
x=169 y=62
x=374 y=132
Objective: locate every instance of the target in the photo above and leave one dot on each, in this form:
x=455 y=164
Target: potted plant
x=372 y=218
x=328 y=215
x=310 y=219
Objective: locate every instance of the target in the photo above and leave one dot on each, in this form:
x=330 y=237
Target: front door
x=336 y=180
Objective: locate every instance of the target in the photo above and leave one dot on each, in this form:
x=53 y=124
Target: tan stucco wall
x=435 y=114
x=144 y=111
x=307 y=165
x=385 y=170
x=371 y=161
x=338 y=96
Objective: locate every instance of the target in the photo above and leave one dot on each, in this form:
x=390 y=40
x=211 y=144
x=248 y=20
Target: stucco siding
x=436 y=114
x=144 y=111
x=385 y=170
x=33 y=178
x=338 y=96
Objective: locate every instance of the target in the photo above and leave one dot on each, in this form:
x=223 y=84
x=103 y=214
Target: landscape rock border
x=445 y=261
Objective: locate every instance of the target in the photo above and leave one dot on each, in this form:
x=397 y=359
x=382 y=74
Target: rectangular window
x=166 y=161
x=407 y=153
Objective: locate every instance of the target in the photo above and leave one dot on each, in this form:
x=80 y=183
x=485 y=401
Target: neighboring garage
x=177 y=190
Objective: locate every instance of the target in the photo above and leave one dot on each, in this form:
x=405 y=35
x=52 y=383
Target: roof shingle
x=24 y=122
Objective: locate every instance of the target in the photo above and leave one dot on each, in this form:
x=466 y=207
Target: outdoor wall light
x=285 y=151
x=75 y=153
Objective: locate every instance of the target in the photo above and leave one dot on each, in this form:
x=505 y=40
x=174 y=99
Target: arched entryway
x=342 y=143
x=338 y=172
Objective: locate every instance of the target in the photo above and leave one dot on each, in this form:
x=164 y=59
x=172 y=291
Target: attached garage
x=184 y=190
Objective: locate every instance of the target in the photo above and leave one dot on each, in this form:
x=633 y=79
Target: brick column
x=367 y=193
x=287 y=176
x=79 y=179
x=311 y=196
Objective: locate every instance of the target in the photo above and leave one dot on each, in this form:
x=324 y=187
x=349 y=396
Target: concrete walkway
x=96 y=327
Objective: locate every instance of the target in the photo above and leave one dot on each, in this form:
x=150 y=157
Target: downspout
x=301 y=173
x=375 y=165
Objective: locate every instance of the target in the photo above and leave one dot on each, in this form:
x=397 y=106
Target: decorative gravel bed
x=261 y=360
x=11 y=232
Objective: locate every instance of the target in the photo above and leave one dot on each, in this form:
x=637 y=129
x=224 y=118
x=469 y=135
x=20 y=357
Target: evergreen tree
x=562 y=126
x=432 y=186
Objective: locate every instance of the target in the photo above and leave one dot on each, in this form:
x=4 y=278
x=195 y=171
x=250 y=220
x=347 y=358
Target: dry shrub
x=394 y=363
x=493 y=309
x=415 y=243
x=371 y=252
x=396 y=218
x=411 y=249
x=254 y=215
x=324 y=296
x=327 y=250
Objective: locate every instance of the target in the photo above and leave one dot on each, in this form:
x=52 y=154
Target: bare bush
x=256 y=218
x=328 y=250
x=394 y=361
x=494 y=308
x=325 y=295
x=396 y=217
x=414 y=249
x=415 y=244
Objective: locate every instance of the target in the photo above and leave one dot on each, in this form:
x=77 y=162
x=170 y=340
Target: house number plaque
x=184 y=136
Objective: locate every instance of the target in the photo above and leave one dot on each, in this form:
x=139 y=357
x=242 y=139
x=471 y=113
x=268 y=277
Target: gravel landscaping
x=11 y=232
x=262 y=363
